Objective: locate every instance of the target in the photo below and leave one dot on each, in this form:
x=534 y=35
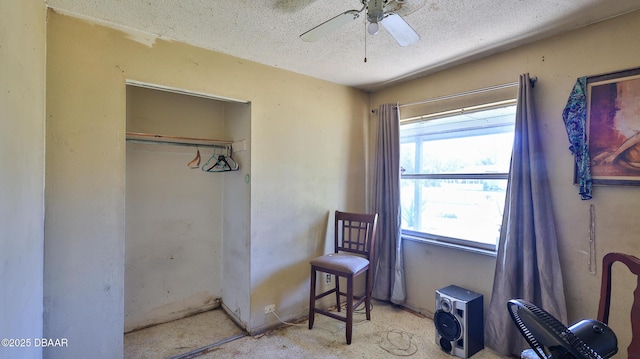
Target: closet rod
x=178 y=143
x=175 y=140
x=460 y=94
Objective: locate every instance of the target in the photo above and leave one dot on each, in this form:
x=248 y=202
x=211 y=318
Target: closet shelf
x=186 y=141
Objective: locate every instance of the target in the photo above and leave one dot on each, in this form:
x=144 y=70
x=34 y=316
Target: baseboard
x=176 y=315
x=234 y=317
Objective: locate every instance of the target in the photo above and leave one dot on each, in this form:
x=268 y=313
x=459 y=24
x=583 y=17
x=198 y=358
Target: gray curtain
x=527 y=265
x=388 y=267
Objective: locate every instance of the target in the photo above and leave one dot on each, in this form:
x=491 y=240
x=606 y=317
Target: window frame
x=440 y=240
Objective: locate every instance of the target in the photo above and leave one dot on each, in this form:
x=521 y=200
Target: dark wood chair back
x=633 y=263
x=355 y=233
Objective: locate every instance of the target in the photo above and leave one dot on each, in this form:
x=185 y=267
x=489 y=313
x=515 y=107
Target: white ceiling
x=267 y=31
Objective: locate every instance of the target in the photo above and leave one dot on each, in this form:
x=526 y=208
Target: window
x=454 y=173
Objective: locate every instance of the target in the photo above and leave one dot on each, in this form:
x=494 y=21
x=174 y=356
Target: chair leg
x=312 y=298
x=337 y=292
x=349 y=308
x=367 y=301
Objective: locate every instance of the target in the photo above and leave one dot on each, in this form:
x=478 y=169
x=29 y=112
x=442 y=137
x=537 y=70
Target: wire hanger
x=223 y=163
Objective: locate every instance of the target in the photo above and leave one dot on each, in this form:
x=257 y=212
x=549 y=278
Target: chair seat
x=345 y=263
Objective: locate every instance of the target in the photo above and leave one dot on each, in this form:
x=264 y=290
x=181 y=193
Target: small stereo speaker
x=459 y=321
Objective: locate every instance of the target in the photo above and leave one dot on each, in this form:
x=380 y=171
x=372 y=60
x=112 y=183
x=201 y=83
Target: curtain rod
x=472 y=92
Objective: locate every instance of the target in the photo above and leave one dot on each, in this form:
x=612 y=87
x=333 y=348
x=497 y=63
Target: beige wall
x=22 y=109
x=557 y=62
x=307 y=157
x=236 y=217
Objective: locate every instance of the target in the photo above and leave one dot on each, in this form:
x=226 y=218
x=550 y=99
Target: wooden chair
x=353 y=252
x=633 y=264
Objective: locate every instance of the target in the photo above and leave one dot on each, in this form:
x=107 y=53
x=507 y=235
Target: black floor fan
x=586 y=339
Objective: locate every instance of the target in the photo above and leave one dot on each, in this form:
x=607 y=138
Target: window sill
x=449 y=245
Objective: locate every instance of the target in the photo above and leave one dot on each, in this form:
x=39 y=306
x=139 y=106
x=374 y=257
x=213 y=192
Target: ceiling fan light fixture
x=377 y=15
x=373 y=28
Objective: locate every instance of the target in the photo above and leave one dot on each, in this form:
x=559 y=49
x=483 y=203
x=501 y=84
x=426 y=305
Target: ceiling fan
x=378 y=12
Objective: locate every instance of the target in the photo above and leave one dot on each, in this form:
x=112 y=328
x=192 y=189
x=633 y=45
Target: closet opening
x=187 y=192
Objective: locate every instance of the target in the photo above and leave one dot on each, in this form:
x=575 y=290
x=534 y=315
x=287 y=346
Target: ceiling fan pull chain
x=365 y=41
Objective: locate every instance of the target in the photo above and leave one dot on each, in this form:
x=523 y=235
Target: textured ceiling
x=267 y=31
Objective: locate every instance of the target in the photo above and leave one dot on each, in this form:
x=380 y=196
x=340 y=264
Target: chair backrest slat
x=355 y=232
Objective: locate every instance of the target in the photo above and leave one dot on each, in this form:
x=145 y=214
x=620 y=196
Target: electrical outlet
x=328 y=278
x=269 y=308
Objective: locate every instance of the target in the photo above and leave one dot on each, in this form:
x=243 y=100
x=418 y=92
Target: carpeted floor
x=392 y=332
x=170 y=339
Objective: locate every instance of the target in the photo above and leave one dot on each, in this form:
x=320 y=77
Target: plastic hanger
x=195 y=163
x=224 y=163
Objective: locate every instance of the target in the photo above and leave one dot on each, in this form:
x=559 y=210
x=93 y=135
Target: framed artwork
x=613 y=127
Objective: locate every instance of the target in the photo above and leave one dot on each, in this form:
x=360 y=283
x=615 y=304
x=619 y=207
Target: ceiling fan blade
x=330 y=25
x=400 y=30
